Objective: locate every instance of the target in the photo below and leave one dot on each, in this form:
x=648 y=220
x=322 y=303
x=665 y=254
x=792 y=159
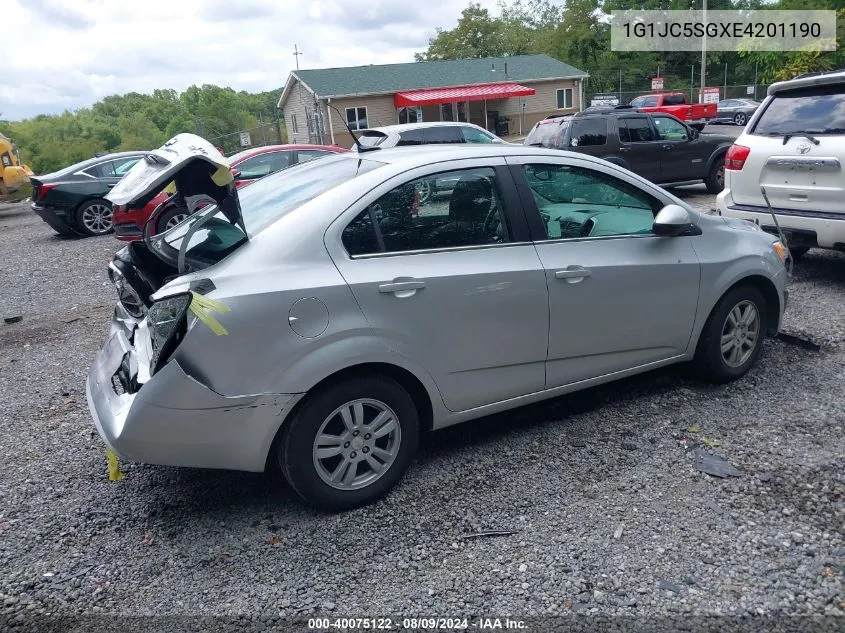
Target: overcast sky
x=66 y=54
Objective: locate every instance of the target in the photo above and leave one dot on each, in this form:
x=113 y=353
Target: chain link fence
x=265 y=134
x=740 y=91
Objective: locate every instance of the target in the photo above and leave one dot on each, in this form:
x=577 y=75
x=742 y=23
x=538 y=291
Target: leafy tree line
x=578 y=33
x=136 y=121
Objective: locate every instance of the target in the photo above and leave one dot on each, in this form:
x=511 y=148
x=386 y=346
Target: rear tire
x=171 y=218
x=726 y=350
x=94 y=217
x=741 y=119
x=368 y=427
x=715 y=180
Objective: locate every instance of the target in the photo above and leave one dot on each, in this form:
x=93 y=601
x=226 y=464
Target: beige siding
x=544 y=100
x=295 y=105
x=380 y=111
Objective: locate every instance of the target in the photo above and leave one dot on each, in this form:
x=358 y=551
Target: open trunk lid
x=191 y=164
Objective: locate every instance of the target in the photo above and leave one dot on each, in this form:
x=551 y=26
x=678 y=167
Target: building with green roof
x=506 y=95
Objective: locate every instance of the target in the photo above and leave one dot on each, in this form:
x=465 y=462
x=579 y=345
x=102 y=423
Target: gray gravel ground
x=609 y=515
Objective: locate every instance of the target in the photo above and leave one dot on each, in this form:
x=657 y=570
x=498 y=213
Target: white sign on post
x=657 y=83
x=749 y=90
x=604 y=100
x=245 y=140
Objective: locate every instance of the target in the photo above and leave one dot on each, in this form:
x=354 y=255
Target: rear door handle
x=400 y=286
x=575 y=274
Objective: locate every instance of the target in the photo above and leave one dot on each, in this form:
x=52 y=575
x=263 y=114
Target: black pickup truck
x=658 y=147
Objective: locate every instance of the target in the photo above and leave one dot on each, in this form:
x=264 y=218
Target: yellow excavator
x=13 y=173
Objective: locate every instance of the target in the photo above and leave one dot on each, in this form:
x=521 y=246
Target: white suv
x=794 y=147
x=435 y=132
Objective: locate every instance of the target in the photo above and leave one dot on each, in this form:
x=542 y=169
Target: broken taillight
x=736 y=157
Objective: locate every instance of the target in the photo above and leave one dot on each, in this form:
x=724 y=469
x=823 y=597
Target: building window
x=564 y=98
x=356 y=118
x=293 y=126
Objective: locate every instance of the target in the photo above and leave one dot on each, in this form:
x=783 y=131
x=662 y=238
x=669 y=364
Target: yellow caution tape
x=115 y=473
x=171 y=187
x=201 y=306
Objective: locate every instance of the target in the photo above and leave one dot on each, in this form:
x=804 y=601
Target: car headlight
x=167 y=323
x=780 y=250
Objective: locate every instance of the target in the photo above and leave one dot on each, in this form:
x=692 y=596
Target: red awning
x=460 y=93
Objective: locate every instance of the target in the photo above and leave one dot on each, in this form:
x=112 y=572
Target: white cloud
x=70 y=53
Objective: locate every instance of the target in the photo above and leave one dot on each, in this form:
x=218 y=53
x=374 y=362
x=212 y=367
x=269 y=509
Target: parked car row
x=73 y=200
x=331 y=291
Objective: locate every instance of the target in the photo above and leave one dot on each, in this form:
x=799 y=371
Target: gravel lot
x=609 y=515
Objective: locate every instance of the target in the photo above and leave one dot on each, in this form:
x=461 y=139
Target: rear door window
x=673 y=100
x=644 y=102
x=587 y=132
x=817 y=110
x=635 y=130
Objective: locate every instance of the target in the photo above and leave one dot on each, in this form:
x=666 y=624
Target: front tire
x=350 y=442
x=732 y=338
x=715 y=180
x=94 y=217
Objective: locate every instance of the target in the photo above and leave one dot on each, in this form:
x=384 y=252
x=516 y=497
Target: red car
x=247 y=166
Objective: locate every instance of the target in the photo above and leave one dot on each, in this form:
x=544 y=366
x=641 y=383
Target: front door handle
x=667 y=147
x=573 y=274
x=402 y=286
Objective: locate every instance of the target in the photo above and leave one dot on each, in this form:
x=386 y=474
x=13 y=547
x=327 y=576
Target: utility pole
x=296 y=54
x=692 y=84
x=726 y=81
x=620 y=86
x=703 y=52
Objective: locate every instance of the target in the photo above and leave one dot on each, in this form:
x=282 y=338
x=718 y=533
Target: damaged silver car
x=326 y=316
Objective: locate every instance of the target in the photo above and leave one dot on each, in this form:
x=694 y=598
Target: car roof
x=266 y=149
x=411 y=156
x=401 y=127
x=807 y=81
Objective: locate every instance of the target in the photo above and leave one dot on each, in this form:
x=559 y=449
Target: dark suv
x=658 y=147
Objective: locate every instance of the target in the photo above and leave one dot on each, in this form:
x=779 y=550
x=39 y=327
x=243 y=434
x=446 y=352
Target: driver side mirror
x=236 y=174
x=693 y=134
x=673 y=220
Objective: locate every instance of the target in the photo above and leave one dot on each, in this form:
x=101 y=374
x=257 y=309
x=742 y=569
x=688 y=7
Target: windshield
x=817 y=110
x=548 y=134
x=262 y=203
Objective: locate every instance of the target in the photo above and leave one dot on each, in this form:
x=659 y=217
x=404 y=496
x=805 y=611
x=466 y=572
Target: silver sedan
x=324 y=317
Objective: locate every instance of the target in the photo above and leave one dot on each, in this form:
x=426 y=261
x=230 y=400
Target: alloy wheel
x=176 y=219
x=97 y=218
x=740 y=119
x=720 y=176
x=356 y=444
x=740 y=334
